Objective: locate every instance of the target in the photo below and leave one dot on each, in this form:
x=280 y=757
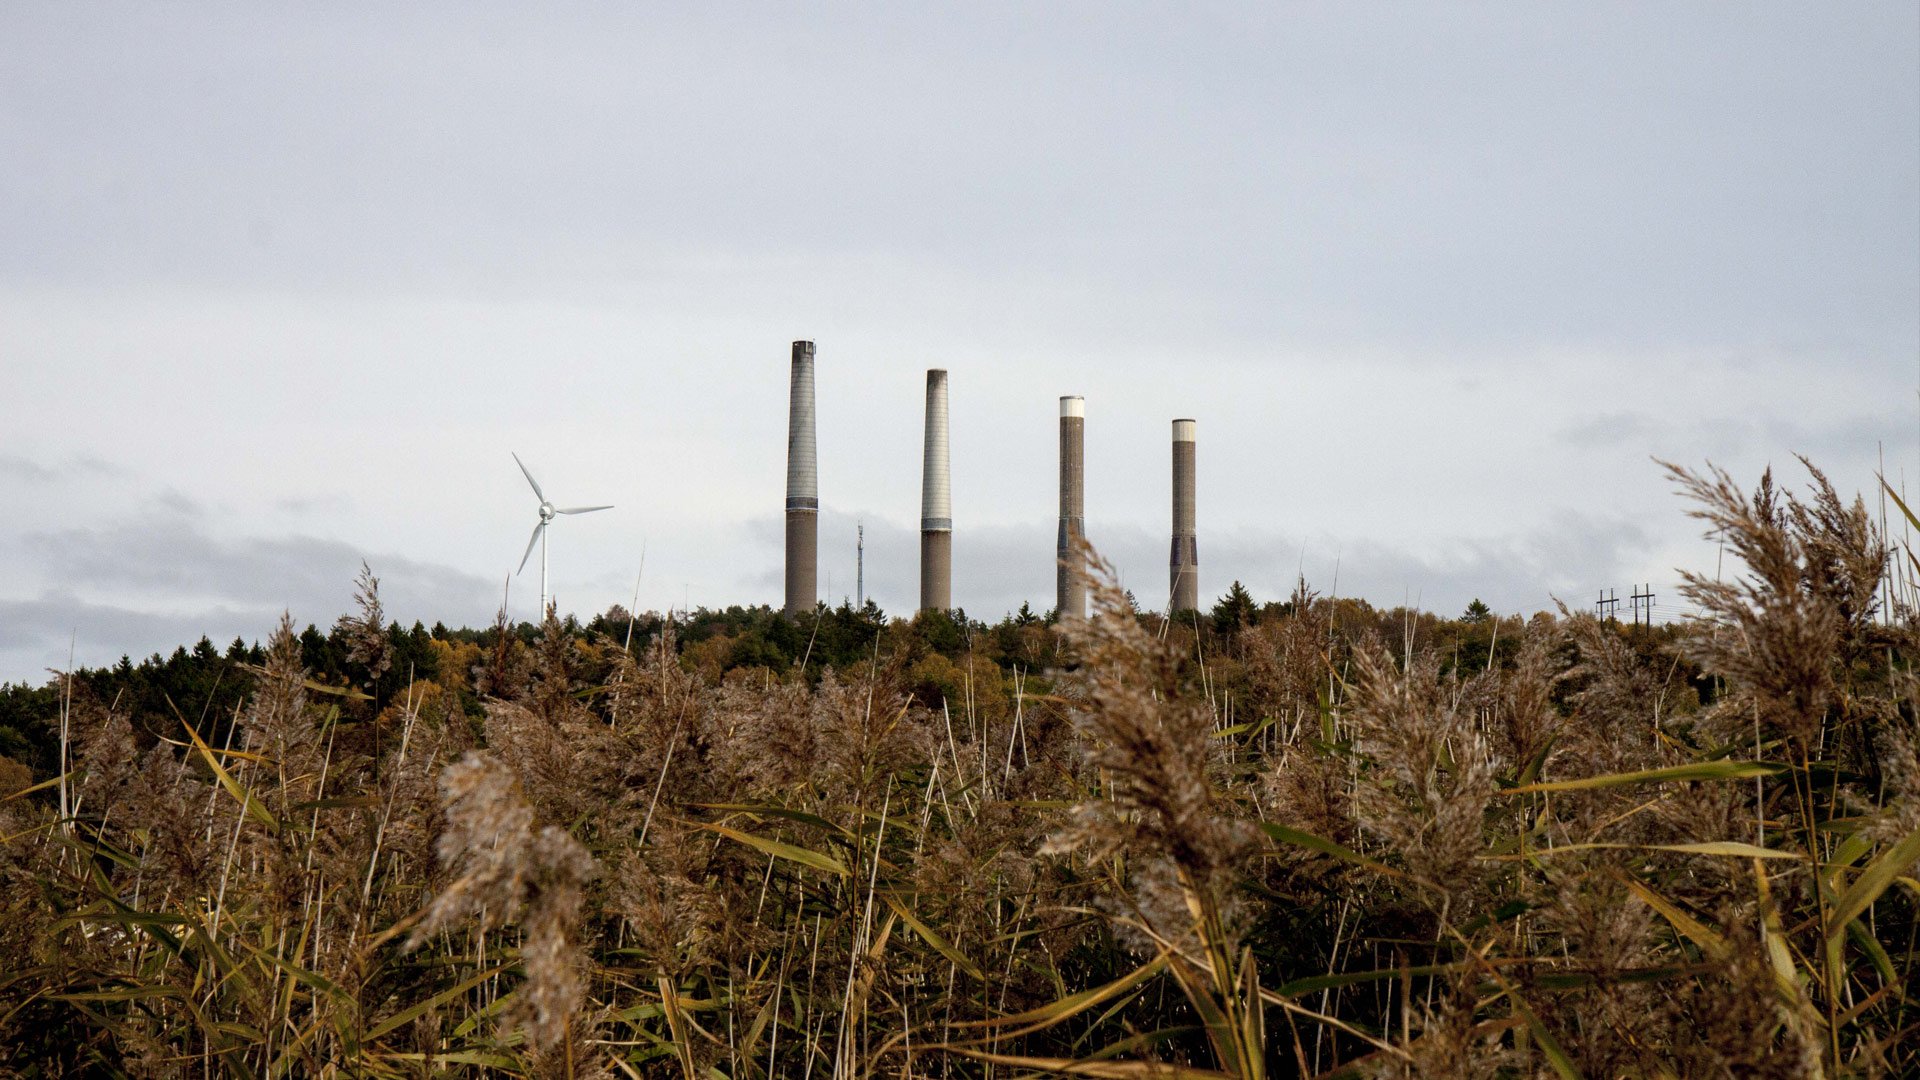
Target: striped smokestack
x=803 y=488
x=1071 y=584
x=936 y=502
x=1184 y=565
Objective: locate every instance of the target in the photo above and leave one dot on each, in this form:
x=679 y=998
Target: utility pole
x=860 y=566
x=1641 y=599
x=1609 y=605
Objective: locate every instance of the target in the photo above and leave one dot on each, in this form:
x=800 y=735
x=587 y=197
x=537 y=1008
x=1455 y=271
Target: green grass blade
x=931 y=937
x=253 y=807
x=1700 y=770
x=1074 y=1004
x=1873 y=881
x=779 y=849
x=408 y=1015
x=1324 y=846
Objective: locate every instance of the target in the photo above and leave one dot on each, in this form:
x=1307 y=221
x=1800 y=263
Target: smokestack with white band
x=1071 y=583
x=1184 y=565
x=936 y=502
x=803 y=488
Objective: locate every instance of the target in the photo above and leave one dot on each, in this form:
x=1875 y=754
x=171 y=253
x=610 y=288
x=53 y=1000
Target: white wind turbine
x=547 y=510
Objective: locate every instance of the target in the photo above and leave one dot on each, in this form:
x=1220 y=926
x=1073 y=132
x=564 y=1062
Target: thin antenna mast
x=632 y=612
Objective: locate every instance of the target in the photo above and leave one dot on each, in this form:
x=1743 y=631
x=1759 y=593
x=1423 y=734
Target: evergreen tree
x=1235 y=609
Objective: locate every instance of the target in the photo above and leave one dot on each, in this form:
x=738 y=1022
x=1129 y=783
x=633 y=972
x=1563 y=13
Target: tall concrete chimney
x=803 y=488
x=1071 y=583
x=1184 y=565
x=936 y=502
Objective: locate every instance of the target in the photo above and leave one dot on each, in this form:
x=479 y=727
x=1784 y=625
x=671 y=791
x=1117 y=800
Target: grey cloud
x=1498 y=174
x=176 y=581
x=1611 y=430
x=35 y=635
x=177 y=502
x=175 y=556
x=15 y=467
x=1849 y=437
x=22 y=469
x=1856 y=436
x=313 y=504
x=767 y=535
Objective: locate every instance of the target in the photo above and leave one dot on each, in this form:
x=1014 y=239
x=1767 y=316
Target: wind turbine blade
x=529 y=476
x=532 y=540
x=583 y=509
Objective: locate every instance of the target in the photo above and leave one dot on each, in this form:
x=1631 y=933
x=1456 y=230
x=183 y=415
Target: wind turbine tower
x=547 y=512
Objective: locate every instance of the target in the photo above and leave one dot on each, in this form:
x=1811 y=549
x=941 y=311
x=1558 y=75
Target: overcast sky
x=281 y=287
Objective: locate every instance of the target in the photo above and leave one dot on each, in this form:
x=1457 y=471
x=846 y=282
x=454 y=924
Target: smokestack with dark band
x=1071 y=591
x=1184 y=565
x=936 y=502
x=803 y=488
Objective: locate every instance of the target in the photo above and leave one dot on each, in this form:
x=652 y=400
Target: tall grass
x=1311 y=852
